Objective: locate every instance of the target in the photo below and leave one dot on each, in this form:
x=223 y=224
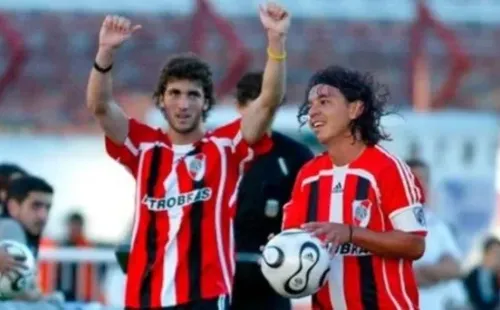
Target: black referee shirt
x=263 y=191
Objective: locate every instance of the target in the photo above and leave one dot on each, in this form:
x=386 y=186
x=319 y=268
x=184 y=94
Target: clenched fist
x=115 y=30
x=275 y=18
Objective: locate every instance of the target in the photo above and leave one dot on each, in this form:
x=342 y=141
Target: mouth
x=183 y=117
x=317 y=124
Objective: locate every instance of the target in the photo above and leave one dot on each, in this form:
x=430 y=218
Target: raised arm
x=114 y=31
x=258 y=118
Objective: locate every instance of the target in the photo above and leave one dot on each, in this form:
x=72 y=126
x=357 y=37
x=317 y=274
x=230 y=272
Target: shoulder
x=283 y=139
x=12 y=230
x=301 y=152
x=381 y=161
x=9 y=223
x=229 y=130
x=138 y=129
x=315 y=167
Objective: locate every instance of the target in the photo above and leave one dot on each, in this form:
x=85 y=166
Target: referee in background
x=263 y=191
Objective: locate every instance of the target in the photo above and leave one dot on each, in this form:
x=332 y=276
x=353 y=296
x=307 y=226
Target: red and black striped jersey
x=376 y=191
x=182 y=243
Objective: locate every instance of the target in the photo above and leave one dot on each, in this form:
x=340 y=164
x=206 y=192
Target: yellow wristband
x=274 y=56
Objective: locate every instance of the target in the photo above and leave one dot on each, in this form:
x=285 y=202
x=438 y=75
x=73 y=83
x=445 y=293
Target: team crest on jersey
x=196 y=166
x=361 y=211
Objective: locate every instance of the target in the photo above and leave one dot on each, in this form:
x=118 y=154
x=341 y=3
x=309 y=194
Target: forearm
x=258 y=118
x=446 y=269
x=423 y=278
x=393 y=244
x=274 y=79
x=99 y=88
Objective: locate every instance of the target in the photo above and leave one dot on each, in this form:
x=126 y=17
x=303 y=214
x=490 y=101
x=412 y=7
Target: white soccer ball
x=18 y=281
x=295 y=263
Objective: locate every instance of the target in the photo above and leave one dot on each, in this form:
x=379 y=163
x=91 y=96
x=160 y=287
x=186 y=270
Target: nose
x=183 y=103
x=313 y=110
x=43 y=214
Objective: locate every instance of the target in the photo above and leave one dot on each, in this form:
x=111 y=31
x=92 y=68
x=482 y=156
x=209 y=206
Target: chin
x=184 y=129
x=323 y=139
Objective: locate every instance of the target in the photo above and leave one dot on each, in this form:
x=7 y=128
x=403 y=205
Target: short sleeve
x=12 y=230
x=128 y=153
x=401 y=198
x=294 y=211
x=240 y=147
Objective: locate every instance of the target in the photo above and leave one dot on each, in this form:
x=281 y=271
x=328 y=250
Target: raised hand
x=274 y=18
x=115 y=30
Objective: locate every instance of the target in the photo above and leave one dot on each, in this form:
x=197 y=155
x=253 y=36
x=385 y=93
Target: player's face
x=330 y=113
x=183 y=105
x=33 y=212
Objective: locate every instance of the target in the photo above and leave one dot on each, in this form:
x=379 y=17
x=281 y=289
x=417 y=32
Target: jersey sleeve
x=12 y=230
x=294 y=211
x=128 y=153
x=401 y=198
x=240 y=147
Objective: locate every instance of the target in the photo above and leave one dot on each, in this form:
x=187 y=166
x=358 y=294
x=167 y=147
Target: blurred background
x=440 y=59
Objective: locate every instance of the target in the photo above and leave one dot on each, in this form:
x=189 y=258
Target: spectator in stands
x=78 y=282
x=263 y=191
x=8 y=173
x=482 y=282
x=438 y=270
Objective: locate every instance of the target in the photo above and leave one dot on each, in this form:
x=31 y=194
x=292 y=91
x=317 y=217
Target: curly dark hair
x=354 y=85
x=190 y=67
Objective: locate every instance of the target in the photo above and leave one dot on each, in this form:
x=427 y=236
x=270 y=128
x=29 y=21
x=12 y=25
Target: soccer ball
x=18 y=281
x=295 y=263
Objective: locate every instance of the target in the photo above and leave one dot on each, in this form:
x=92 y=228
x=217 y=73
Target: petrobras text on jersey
x=177 y=201
x=349 y=249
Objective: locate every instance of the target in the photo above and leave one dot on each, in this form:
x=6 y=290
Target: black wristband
x=101 y=69
x=350 y=233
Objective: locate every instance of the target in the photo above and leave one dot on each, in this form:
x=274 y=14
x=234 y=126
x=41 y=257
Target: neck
x=186 y=138
x=344 y=150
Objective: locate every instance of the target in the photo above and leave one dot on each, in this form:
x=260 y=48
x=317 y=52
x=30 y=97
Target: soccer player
x=264 y=189
x=182 y=249
x=358 y=197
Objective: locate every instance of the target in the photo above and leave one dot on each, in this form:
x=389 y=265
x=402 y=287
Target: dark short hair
x=489 y=243
x=75 y=217
x=355 y=86
x=248 y=87
x=19 y=189
x=417 y=163
x=189 y=67
x=6 y=171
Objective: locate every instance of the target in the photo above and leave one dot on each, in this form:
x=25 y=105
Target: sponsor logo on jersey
x=177 y=201
x=349 y=249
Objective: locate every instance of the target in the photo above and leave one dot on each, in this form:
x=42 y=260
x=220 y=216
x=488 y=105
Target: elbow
x=417 y=247
x=95 y=107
